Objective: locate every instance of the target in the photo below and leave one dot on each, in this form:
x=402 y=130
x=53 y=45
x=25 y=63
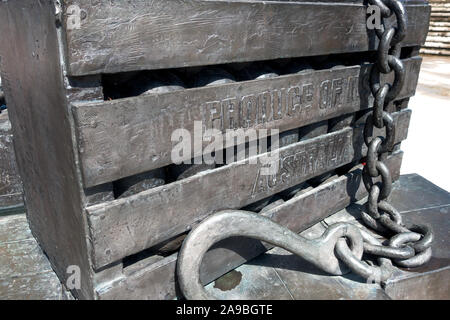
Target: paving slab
x=25 y=272
x=413 y=192
x=306 y=282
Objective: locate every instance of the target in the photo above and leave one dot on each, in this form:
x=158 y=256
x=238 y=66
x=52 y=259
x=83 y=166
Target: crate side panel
x=33 y=82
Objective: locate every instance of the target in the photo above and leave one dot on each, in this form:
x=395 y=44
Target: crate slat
x=153 y=34
x=128 y=136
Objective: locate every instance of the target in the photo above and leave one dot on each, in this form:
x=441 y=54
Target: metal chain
x=342 y=244
x=408 y=247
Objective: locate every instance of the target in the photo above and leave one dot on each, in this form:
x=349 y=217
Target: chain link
x=408 y=247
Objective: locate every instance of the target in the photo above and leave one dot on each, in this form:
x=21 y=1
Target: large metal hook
x=229 y=223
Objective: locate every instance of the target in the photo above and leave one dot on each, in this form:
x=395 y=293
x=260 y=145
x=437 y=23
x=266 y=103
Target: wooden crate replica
x=96 y=89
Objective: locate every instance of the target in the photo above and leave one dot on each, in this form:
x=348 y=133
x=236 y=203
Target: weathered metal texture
x=89 y=88
x=431 y=285
x=132 y=185
x=44 y=286
x=430 y=281
x=126 y=226
x=157 y=281
x=25 y=272
x=128 y=136
x=311 y=131
x=201 y=195
x=22 y=257
x=11 y=192
x=33 y=82
x=208 y=77
x=120 y=36
x=299 y=279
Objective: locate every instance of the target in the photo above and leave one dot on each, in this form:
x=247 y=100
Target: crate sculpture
x=97 y=88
